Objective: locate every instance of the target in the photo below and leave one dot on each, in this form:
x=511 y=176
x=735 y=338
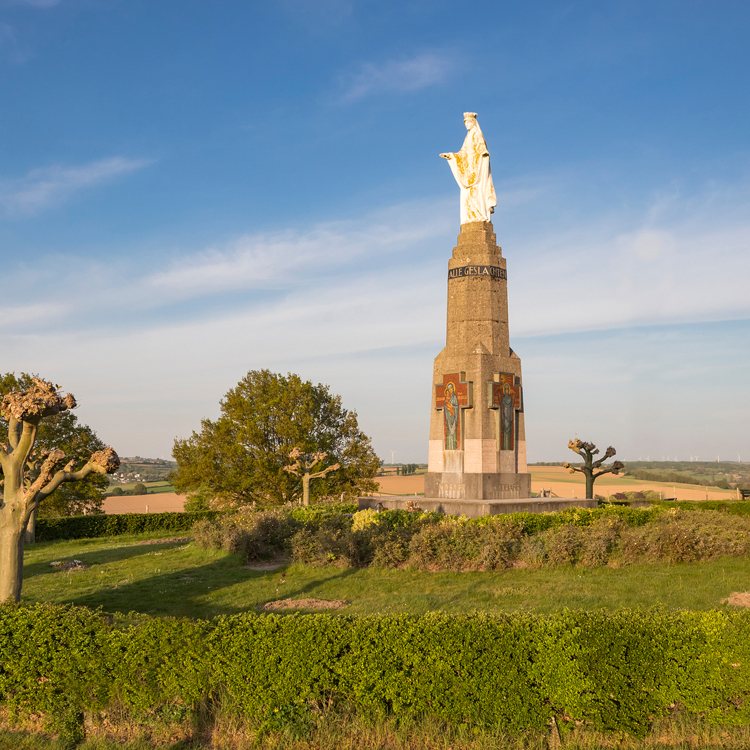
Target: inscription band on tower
x=462 y=272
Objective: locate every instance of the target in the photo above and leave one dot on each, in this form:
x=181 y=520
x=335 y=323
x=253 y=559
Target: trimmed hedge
x=87 y=527
x=616 y=672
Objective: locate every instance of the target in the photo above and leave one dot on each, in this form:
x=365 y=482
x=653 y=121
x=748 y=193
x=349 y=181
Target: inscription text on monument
x=451 y=491
x=462 y=272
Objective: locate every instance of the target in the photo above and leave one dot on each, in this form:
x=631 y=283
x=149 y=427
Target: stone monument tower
x=477 y=437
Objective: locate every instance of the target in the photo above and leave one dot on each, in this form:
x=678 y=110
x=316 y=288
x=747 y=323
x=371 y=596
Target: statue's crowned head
x=470 y=119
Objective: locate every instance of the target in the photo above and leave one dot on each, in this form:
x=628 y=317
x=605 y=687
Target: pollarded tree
x=587 y=451
x=303 y=467
x=240 y=457
x=29 y=475
x=63 y=431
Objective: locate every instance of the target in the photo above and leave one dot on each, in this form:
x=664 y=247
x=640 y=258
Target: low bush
x=254 y=534
x=613 y=672
x=263 y=534
x=331 y=540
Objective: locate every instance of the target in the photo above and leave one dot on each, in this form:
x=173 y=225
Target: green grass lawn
x=181 y=579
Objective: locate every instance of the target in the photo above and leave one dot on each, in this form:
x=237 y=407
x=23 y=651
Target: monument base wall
x=444 y=485
x=475 y=508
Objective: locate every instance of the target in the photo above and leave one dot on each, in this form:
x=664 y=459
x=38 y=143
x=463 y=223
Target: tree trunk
x=11 y=561
x=306 y=488
x=31 y=528
x=590 y=485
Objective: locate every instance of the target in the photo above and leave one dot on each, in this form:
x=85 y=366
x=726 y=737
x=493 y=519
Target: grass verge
x=351 y=732
x=182 y=580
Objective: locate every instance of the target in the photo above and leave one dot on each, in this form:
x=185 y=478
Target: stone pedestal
x=477 y=436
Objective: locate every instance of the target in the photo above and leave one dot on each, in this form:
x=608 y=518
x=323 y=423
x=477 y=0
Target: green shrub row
x=456 y=544
x=630 y=496
x=87 y=527
x=615 y=672
x=733 y=507
x=314 y=512
x=611 y=535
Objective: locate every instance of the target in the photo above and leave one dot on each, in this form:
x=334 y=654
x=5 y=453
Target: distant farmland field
x=564 y=484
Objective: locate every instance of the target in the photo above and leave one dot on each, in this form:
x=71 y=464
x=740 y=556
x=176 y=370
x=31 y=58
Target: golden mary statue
x=471 y=168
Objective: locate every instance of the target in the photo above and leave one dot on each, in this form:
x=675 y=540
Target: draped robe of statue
x=471 y=168
x=452 y=414
x=506 y=421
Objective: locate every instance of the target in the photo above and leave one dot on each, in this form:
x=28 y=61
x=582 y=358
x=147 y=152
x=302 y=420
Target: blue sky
x=190 y=190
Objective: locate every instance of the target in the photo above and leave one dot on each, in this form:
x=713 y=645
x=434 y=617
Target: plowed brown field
x=559 y=480
x=159 y=503
x=564 y=484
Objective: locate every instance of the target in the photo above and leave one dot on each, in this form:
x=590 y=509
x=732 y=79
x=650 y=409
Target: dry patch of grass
x=284 y=604
x=738 y=599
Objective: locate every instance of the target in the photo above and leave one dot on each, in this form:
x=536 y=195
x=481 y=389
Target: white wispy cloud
x=48 y=186
x=402 y=75
x=281 y=259
x=13 y=316
x=684 y=262
x=361 y=305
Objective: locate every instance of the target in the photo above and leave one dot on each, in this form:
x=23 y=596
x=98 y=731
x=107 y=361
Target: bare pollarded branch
x=25 y=409
x=107 y=460
x=102 y=462
x=14 y=432
x=51 y=459
x=35 y=403
x=571 y=469
x=614 y=469
x=25 y=445
x=325 y=471
x=303 y=462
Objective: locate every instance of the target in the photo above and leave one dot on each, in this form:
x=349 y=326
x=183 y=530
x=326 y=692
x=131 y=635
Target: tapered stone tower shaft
x=477 y=435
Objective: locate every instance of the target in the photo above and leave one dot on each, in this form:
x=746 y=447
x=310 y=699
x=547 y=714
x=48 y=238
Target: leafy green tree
x=78 y=441
x=199 y=499
x=240 y=457
x=587 y=451
x=139 y=488
x=30 y=473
